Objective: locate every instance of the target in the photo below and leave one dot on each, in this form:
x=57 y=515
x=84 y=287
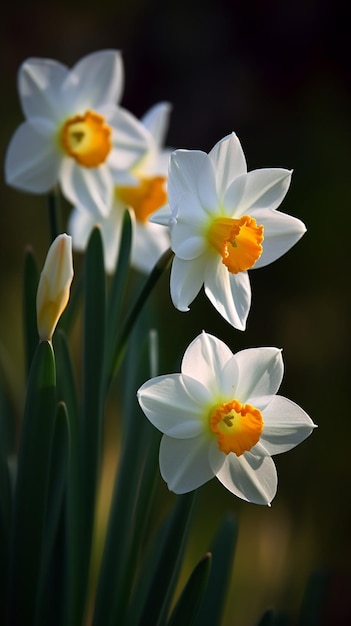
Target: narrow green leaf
x=5 y=526
x=130 y=502
x=163 y=579
x=314 y=600
x=188 y=604
x=118 y=283
x=51 y=576
x=30 y=286
x=267 y=619
x=30 y=503
x=70 y=313
x=66 y=384
x=223 y=550
x=94 y=320
x=93 y=358
x=161 y=265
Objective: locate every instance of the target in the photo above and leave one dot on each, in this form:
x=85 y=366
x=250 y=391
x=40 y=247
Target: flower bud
x=54 y=286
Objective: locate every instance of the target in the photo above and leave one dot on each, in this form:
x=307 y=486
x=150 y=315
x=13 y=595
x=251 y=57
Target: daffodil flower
x=75 y=134
x=147 y=194
x=224 y=222
x=221 y=416
x=54 y=285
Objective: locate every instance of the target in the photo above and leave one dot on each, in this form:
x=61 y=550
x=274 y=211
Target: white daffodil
x=54 y=285
x=75 y=134
x=223 y=223
x=146 y=195
x=221 y=417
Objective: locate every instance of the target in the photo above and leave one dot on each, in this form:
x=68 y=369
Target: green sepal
x=30 y=287
x=31 y=489
x=187 y=606
x=223 y=550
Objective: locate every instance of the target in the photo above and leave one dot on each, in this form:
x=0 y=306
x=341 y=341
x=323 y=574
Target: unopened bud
x=54 y=285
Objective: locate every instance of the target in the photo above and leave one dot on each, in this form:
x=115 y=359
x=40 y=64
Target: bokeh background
x=277 y=73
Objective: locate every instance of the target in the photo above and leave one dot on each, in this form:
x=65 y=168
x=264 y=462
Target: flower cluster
x=221 y=416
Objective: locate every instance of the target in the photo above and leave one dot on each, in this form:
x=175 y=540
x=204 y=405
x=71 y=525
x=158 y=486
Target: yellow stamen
x=87 y=138
x=145 y=198
x=238 y=426
x=238 y=241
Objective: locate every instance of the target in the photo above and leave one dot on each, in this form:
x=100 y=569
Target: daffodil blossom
x=146 y=195
x=75 y=134
x=221 y=416
x=224 y=222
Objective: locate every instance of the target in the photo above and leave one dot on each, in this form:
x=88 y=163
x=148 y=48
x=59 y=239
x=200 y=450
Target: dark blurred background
x=277 y=73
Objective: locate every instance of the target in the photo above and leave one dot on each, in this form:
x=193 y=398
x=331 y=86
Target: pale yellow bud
x=54 y=286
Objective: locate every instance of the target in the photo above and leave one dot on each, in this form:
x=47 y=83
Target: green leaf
x=314 y=600
x=132 y=497
x=30 y=287
x=90 y=436
x=51 y=576
x=121 y=344
x=188 y=603
x=223 y=550
x=31 y=489
x=164 y=575
x=93 y=359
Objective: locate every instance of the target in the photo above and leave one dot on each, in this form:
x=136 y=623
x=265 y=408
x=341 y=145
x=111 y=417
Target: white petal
x=80 y=225
x=281 y=232
x=130 y=140
x=33 y=160
x=285 y=425
x=192 y=171
x=260 y=372
x=161 y=216
x=186 y=281
x=229 y=293
x=204 y=359
x=156 y=120
x=264 y=189
x=184 y=463
x=168 y=405
x=97 y=79
x=90 y=187
x=188 y=241
x=249 y=477
x=151 y=241
x=39 y=84
x=229 y=162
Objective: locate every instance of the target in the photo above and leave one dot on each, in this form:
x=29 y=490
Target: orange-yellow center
x=238 y=426
x=87 y=138
x=145 y=198
x=238 y=241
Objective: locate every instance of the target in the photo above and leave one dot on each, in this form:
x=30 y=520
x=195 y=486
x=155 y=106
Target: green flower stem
x=161 y=265
x=54 y=213
x=30 y=287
